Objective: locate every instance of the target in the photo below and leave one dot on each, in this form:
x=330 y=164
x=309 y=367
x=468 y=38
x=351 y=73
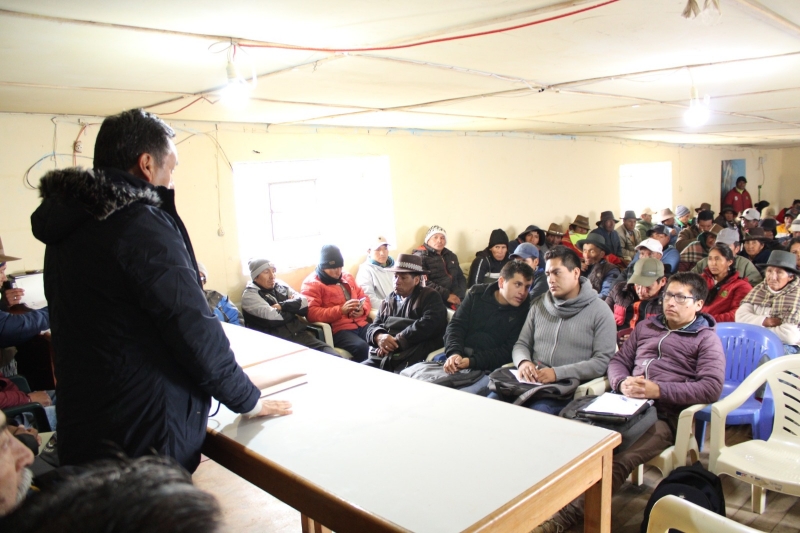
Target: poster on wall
x=731 y=170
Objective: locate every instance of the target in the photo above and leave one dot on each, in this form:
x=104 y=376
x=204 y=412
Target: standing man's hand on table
x=275 y=408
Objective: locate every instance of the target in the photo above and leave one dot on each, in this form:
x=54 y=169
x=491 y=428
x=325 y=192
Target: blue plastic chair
x=745 y=346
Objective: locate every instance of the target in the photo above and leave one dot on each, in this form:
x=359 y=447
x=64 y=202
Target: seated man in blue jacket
x=218 y=303
x=272 y=307
x=484 y=329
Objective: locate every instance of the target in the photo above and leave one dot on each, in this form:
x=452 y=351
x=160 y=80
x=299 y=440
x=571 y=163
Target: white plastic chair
x=328 y=334
x=671 y=512
x=675 y=456
x=773 y=464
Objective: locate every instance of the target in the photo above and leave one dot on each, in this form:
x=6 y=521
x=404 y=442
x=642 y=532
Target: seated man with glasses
x=675 y=359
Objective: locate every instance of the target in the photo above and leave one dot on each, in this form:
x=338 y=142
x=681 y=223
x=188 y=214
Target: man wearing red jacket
x=738 y=197
x=334 y=297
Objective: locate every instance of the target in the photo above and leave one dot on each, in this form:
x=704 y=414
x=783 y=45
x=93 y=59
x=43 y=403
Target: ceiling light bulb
x=698 y=112
x=236 y=94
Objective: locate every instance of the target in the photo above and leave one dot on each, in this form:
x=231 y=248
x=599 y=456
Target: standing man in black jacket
x=410 y=322
x=138 y=353
x=484 y=329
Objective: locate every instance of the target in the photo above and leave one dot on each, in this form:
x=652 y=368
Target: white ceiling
x=623 y=70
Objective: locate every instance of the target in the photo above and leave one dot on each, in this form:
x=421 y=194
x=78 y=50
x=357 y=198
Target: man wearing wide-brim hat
x=552 y=237
x=775 y=302
x=575 y=232
x=605 y=228
x=411 y=320
x=666 y=218
x=628 y=236
x=601 y=274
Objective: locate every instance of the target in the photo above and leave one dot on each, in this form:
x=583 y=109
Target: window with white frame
x=286 y=210
x=645 y=185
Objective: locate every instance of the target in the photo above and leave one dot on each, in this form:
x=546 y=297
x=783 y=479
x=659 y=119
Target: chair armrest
x=434 y=354
x=21 y=383
x=685 y=432
x=34 y=408
x=596 y=387
x=372 y=314
x=326 y=330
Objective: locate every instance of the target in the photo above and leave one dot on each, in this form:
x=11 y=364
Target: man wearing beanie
x=272 y=307
x=683 y=217
x=489 y=261
x=336 y=299
x=445 y=276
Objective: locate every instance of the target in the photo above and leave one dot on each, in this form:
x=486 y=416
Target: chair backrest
x=673 y=512
x=745 y=345
x=784 y=381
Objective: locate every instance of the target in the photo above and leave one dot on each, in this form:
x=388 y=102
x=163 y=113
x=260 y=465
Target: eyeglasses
x=680 y=299
x=202 y=279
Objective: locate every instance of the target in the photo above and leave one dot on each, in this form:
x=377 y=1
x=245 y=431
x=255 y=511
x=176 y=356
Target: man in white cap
x=272 y=307
x=743 y=265
x=446 y=276
x=750 y=219
x=372 y=276
x=794 y=229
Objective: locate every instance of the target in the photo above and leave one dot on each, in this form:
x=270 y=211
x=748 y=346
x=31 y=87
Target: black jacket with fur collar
x=138 y=354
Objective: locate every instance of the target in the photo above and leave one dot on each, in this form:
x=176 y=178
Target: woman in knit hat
x=445 y=276
x=336 y=299
x=489 y=261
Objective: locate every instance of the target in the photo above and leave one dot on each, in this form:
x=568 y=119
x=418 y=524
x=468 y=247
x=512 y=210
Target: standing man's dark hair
x=123 y=138
x=568 y=258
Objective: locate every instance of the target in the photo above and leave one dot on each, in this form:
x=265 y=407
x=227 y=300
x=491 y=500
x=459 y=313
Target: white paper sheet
x=521 y=380
x=615 y=404
x=34 y=290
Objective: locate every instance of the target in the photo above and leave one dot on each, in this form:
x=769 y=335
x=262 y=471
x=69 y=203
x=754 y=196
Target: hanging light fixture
x=698 y=112
x=236 y=93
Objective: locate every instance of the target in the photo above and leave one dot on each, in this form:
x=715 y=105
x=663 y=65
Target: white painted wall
x=467 y=184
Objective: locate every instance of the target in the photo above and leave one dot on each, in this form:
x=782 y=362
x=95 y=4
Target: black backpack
x=433 y=372
x=506 y=385
x=692 y=483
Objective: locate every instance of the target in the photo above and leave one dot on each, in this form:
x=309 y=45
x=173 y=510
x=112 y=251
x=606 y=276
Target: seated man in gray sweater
x=569 y=332
x=272 y=307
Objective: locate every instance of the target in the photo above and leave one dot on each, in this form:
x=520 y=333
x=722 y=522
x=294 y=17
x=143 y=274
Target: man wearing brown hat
x=553 y=236
x=576 y=232
x=411 y=319
x=601 y=274
x=605 y=228
x=628 y=236
x=775 y=302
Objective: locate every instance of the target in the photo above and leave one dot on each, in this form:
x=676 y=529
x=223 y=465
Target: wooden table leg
x=597 y=511
x=309 y=525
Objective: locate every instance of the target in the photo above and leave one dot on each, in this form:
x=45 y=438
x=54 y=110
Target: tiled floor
x=248 y=509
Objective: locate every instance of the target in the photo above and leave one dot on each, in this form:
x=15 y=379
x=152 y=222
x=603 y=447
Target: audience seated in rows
x=530 y=254
x=775 y=302
x=488 y=262
x=336 y=299
x=645 y=223
x=484 y=329
x=568 y=333
x=272 y=307
x=445 y=276
x=726 y=288
x=746 y=269
x=698 y=249
x=218 y=303
x=605 y=228
x=410 y=322
x=602 y=274
x=372 y=276
x=636 y=299
x=703 y=222
x=675 y=359
x=628 y=237
x=532 y=234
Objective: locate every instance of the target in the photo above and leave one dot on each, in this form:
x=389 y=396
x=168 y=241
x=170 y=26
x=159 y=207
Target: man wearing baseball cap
x=750 y=219
x=411 y=319
x=743 y=265
x=529 y=254
x=775 y=302
x=637 y=298
x=372 y=276
x=738 y=197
